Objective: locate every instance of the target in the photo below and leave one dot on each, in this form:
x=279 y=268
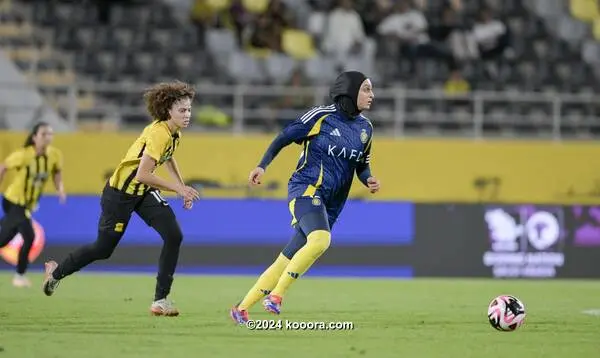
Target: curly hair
x=161 y=97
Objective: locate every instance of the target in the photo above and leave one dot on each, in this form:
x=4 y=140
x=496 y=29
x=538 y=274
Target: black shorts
x=13 y=213
x=118 y=206
x=11 y=208
x=16 y=219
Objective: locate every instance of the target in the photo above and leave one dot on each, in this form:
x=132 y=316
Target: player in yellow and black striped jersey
x=32 y=165
x=133 y=187
x=158 y=142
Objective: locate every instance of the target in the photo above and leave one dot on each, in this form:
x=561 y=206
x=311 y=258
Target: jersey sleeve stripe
x=315 y=112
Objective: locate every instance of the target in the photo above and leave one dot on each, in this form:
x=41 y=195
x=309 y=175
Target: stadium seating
x=555 y=46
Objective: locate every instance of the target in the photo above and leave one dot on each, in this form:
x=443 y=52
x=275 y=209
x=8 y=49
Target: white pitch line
x=592 y=312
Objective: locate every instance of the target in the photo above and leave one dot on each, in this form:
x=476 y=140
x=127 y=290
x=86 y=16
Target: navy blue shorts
x=309 y=214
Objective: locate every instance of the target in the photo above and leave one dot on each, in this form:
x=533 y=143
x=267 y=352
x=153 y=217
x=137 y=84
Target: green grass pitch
x=94 y=315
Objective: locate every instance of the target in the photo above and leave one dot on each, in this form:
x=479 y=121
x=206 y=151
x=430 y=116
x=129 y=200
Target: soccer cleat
x=50 y=283
x=239 y=316
x=163 y=307
x=21 y=281
x=272 y=303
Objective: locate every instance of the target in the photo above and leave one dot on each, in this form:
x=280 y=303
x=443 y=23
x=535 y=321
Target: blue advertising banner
x=231 y=222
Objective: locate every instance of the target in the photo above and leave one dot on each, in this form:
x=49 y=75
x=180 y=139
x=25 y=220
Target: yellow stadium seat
x=203 y=9
x=55 y=78
x=256 y=6
x=298 y=44
x=584 y=10
x=5 y=5
x=29 y=53
x=258 y=52
x=596 y=29
x=218 y=5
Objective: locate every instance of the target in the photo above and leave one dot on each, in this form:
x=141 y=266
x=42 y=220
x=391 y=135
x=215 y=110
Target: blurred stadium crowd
x=456 y=46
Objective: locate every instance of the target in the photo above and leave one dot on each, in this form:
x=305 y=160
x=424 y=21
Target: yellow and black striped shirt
x=158 y=142
x=33 y=171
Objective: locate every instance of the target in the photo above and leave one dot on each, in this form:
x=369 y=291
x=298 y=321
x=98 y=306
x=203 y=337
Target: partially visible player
x=134 y=187
x=33 y=165
x=337 y=143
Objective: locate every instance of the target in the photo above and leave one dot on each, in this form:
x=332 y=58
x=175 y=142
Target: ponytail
x=34 y=130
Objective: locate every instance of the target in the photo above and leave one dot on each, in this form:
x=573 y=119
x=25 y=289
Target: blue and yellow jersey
x=335 y=148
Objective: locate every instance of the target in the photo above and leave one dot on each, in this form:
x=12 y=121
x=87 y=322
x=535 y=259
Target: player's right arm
x=14 y=160
x=155 y=144
x=299 y=130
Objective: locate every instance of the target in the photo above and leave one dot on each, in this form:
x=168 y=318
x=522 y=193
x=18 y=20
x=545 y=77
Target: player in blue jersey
x=337 y=143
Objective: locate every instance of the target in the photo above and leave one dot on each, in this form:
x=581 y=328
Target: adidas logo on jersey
x=336 y=132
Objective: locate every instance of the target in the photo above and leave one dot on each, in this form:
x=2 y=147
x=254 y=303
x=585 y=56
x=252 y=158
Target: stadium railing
x=397 y=112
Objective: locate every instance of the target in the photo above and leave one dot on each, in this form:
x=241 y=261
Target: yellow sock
x=265 y=283
x=316 y=243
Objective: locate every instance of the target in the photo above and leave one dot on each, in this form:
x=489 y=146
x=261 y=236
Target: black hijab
x=344 y=91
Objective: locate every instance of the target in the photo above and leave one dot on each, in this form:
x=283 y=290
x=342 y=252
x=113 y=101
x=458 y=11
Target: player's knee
x=27 y=243
x=103 y=249
x=320 y=239
x=177 y=237
x=103 y=252
x=295 y=244
x=28 y=238
x=173 y=235
x=169 y=231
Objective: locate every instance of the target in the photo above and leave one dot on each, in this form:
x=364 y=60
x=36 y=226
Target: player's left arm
x=57 y=176
x=175 y=173
x=363 y=170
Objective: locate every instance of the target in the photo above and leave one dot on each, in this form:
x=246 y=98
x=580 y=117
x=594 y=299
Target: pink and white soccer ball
x=506 y=313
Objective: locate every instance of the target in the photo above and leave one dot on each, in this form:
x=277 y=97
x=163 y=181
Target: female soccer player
x=134 y=187
x=34 y=164
x=337 y=143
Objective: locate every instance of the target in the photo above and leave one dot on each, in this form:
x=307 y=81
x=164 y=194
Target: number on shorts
x=159 y=198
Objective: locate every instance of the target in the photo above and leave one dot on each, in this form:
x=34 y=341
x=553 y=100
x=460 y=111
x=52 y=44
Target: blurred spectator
x=442 y=30
x=344 y=32
x=317 y=22
x=452 y=34
x=491 y=35
x=372 y=12
x=287 y=105
x=265 y=33
x=204 y=15
x=104 y=8
x=239 y=18
x=322 y=4
x=490 y=39
x=280 y=14
x=456 y=84
x=201 y=16
x=409 y=27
